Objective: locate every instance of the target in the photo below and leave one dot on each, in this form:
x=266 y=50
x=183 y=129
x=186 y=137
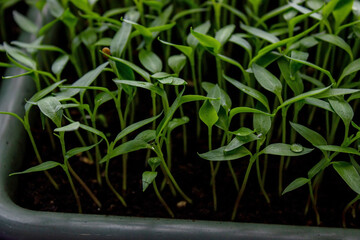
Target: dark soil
x=193 y=176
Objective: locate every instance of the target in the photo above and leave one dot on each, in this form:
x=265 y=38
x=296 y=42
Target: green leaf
x=55 y=8
x=283 y=149
x=51 y=107
x=349 y=174
x=303 y=96
x=250 y=91
x=147 y=179
x=298 y=19
x=318 y=103
x=154 y=162
x=177 y=63
x=243 y=132
x=42 y=93
x=88 y=36
x=203 y=29
x=329 y=8
x=342 y=10
x=146 y=85
x=94 y=131
x=267 y=80
x=69 y=19
x=313 y=137
x=224 y=34
x=351 y=68
x=122 y=36
x=82 y=5
x=333 y=148
x=41 y=167
x=237 y=39
x=187 y=51
x=144 y=31
x=287 y=41
x=129 y=146
x=104 y=42
x=322 y=164
x=261 y=123
x=146 y=136
x=295 y=66
x=337 y=41
x=84 y=81
x=38 y=46
x=160 y=75
x=296 y=84
x=238 y=141
x=59 y=64
x=260 y=33
x=103 y=97
x=174 y=81
x=221 y=155
x=68 y=128
x=207 y=41
x=47 y=27
x=129 y=129
x=20 y=56
x=237 y=110
x=78 y=150
x=176 y=122
x=225 y=100
x=24 y=23
x=343 y=110
x=299 y=182
x=332 y=92
x=134 y=67
x=208 y=114
x=150 y=61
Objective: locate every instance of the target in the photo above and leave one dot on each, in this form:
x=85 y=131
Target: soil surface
x=193 y=176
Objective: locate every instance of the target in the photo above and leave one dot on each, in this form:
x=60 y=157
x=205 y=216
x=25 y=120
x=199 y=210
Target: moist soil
x=193 y=176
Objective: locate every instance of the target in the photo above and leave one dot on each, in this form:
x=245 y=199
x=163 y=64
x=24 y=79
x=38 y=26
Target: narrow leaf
x=147 y=179
x=299 y=182
x=41 y=167
x=283 y=149
x=349 y=174
x=313 y=137
x=221 y=155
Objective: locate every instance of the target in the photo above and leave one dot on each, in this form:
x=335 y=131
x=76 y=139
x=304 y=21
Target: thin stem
x=158 y=152
x=83 y=184
x=32 y=140
x=282 y=160
x=241 y=192
x=258 y=173
x=73 y=189
x=66 y=169
x=314 y=203
x=347 y=208
x=111 y=186
x=162 y=200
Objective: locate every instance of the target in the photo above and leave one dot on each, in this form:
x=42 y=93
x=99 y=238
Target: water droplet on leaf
x=296 y=148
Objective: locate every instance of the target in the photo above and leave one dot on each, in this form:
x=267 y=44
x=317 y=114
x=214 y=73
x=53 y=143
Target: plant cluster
x=251 y=69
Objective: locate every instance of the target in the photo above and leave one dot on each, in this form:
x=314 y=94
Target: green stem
x=83 y=184
x=282 y=159
x=314 y=203
x=258 y=173
x=243 y=186
x=66 y=169
x=158 y=152
x=111 y=186
x=162 y=200
x=212 y=169
x=347 y=208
